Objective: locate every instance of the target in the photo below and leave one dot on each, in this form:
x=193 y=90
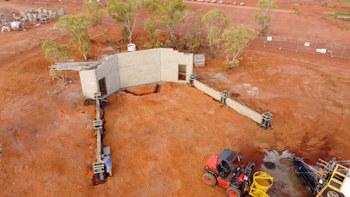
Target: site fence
x=314 y=47
x=240 y=108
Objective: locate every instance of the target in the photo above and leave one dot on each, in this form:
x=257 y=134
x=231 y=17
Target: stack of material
x=199 y=60
x=40 y=15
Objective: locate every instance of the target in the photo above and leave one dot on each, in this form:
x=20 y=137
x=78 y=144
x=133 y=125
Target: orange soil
x=143 y=89
x=161 y=141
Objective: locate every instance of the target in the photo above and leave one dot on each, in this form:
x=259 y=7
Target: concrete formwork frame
x=238 y=107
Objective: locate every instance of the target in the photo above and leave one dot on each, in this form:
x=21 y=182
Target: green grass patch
x=338 y=14
x=329 y=17
x=344 y=1
x=341 y=14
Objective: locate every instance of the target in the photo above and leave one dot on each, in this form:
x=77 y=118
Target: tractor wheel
x=233 y=192
x=209 y=179
x=331 y=193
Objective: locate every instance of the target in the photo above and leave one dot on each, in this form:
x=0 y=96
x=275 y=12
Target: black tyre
x=331 y=193
x=209 y=179
x=233 y=192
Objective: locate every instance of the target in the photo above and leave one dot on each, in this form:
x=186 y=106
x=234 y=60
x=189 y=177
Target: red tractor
x=227 y=171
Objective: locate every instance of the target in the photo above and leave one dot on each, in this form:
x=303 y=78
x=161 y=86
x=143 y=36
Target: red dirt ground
x=143 y=89
x=161 y=141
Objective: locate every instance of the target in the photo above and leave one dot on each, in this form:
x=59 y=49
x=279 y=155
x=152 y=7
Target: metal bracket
x=266 y=120
x=99 y=167
x=192 y=78
x=97 y=94
x=98 y=124
x=224 y=95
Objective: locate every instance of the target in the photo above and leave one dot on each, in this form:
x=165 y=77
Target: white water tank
x=131 y=47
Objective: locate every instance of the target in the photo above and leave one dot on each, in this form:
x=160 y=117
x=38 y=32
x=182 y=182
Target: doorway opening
x=182 y=72
x=102 y=85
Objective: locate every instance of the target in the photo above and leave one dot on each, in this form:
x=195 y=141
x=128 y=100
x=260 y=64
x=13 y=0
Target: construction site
x=261 y=110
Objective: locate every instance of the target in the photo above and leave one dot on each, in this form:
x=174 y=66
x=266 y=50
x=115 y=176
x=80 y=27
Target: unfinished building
x=124 y=70
x=128 y=69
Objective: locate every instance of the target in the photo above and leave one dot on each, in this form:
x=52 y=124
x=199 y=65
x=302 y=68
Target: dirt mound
x=143 y=89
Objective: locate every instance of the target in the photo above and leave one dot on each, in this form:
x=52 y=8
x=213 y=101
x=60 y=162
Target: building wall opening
x=182 y=72
x=102 y=85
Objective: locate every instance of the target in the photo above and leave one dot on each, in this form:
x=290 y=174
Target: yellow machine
x=327 y=179
x=339 y=183
x=261 y=183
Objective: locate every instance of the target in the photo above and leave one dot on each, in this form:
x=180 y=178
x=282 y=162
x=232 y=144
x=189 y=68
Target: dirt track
x=160 y=141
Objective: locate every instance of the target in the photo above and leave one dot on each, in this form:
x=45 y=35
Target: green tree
x=264 y=17
x=125 y=34
x=95 y=11
x=124 y=12
x=96 y=14
x=234 y=41
x=198 y=24
x=151 y=27
x=215 y=21
x=77 y=27
x=170 y=13
x=55 y=52
x=107 y=34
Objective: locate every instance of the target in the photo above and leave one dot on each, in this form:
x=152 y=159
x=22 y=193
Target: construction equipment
x=227 y=171
x=261 y=183
x=326 y=179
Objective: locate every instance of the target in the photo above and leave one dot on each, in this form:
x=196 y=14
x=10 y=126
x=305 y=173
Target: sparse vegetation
x=124 y=12
x=198 y=28
x=96 y=14
x=95 y=11
x=264 y=17
x=107 y=34
x=296 y=10
x=170 y=13
x=340 y=15
x=55 y=52
x=235 y=40
x=215 y=21
x=333 y=18
x=125 y=34
x=152 y=29
x=77 y=27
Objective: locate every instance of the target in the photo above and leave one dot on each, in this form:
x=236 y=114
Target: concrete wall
x=207 y=90
x=238 y=107
x=124 y=70
x=170 y=61
x=244 y=110
x=128 y=69
x=139 y=67
x=109 y=70
x=88 y=83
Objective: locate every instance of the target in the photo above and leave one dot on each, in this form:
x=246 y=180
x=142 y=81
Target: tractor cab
x=225 y=163
x=227 y=171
